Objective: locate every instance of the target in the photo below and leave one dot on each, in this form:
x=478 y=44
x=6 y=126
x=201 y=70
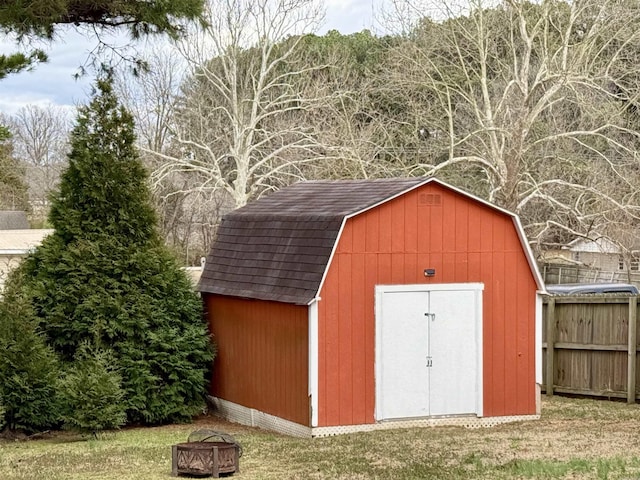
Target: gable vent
x=430 y=199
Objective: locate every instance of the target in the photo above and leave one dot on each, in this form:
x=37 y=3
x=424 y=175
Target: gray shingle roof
x=13 y=220
x=277 y=248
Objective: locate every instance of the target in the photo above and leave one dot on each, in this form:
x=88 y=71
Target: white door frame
x=382 y=289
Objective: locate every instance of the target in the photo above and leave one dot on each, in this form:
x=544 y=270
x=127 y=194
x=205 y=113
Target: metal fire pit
x=206 y=453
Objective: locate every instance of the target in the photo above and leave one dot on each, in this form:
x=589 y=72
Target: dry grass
x=576 y=438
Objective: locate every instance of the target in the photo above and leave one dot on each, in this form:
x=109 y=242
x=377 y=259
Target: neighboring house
x=600 y=254
x=194 y=272
x=14 y=245
x=342 y=306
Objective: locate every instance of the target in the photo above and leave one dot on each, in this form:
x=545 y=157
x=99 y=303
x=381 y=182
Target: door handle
x=432 y=316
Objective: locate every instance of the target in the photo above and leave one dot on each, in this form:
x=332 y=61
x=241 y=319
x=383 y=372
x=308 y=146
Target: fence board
x=550 y=338
x=632 y=352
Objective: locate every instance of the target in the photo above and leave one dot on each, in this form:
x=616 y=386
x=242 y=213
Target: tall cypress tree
x=104 y=276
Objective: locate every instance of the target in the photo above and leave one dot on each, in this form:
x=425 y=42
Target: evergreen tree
x=42 y=18
x=17 y=62
x=104 y=275
x=29 y=370
x=93 y=393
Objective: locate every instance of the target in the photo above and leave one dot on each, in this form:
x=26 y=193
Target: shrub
x=92 y=393
x=29 y=369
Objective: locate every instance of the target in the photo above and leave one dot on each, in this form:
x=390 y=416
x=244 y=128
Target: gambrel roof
x=279 y=247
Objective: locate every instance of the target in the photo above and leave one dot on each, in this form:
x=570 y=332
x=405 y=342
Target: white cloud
x=11 y=105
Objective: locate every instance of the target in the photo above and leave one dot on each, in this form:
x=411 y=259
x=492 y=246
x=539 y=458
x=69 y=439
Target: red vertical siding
x=273 y=378
x=465 y=242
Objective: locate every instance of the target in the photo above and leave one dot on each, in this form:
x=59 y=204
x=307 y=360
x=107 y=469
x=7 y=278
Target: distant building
x=585 y=260
x=15 y=244
x=599 y=254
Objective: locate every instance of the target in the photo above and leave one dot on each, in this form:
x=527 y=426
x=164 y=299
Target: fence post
x=551 y=340
x=632 y=342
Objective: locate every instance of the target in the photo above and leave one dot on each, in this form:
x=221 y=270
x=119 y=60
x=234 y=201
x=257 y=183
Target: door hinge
x=429 y=361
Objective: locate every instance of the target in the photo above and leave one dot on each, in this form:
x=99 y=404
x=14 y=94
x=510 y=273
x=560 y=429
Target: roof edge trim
x=330 y=260
x=16 y=251
x=387 y=199
x=533 y=265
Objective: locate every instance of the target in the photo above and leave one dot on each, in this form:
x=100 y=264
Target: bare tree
x=41 y=144
x=13 y=188
x=151 y=95
x=233 y=129
x=536 y=100
x=187 y=214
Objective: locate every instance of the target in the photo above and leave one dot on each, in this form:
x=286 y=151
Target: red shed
x=344 y=306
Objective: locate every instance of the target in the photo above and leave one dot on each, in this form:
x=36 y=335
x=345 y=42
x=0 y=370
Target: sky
x=53 y=83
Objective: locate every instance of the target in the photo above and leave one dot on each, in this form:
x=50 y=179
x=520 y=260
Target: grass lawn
x=575 y=439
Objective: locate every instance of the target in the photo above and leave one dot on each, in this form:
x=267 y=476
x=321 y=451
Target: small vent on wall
x=429 y=200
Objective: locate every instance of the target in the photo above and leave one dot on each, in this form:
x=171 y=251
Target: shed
x=341 y=306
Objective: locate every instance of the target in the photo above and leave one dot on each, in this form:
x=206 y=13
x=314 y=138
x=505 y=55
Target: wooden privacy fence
x=590 y=345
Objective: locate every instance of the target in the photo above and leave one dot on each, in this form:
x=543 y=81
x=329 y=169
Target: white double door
x=428 y=350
